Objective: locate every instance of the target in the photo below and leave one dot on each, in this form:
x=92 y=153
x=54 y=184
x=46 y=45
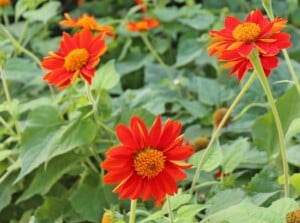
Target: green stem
x=291 y=69
x=155 y=54
x=95 y=109
x=170 y=209
x=92 y=100
x=255 y=60
x=132 y=211
x=268 y=7
x=218 y=129
x=17 y=45
x=5 y=18
x=8 y=98
x=238 y=116
x=22 y=35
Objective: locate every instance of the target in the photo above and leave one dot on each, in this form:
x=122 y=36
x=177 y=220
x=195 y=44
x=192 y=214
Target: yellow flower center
x=149 y=162
x=76 y=59
x=246 y=32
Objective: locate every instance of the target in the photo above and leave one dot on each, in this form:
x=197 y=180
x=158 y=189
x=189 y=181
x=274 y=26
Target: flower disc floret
x=149 y=162
x=246 y=32
x=76 y=59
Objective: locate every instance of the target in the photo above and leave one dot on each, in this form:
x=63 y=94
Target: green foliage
x=52 y=142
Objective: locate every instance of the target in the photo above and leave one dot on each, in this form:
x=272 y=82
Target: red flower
x=78 y=55
x=143 y=25
x=142 y=4
x=256 y=31
x=146 y=164
x=87 y=22
x=240 y=64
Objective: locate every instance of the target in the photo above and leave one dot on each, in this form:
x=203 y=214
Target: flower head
x=293 y=217
x=255 y=31
x=142 y=4
x=143 y=25
x=78 y=55
x=147 y=163
x=87 y=22
x=4 y=3
x=219 y=115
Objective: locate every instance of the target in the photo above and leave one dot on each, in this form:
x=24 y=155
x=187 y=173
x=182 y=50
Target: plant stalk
x=218 y=129
x=255 y=60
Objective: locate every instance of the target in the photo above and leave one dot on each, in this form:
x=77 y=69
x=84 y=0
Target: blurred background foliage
x=52 y=173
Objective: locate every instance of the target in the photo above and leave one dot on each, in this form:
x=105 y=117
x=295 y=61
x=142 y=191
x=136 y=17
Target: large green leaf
x=43 y=14
x=211 y=92
x=88 y=201
x=293 y=129
x=45 y=178
x=247 y=212
x=106 y=77
x=52 y=209
x=7 y=189
x=47 y=136
x=211 y=161
x=233 y=154
x=264 y=130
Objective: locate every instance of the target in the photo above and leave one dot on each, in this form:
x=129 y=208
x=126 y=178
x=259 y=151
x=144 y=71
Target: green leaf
x=233 y=154
x=52 y=209
x=167 y=14
x=106 y=77
x=7 y=189
x=247 y=212
x=176 y=201
x=45 y=178
x=46 y=136
x=212 y=160
x=203 y=20
x=295 y=182
x=21 y=70
x=211 y=92
x=293 y=129
x=45 y=13
x=190 y=210
x=224 y=199
x=195 y=108
x=188 y=50
x=264 y=130
x=88 y=201
x=293 y=155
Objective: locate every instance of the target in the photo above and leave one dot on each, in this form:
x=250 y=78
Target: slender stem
x=95 y=109
x=255 y=60
x=8 y=98
x=245 y=109
x=22 y=35
x=5 y=18
x=92 y=100
x=132 y=211
x=170 y=209
x=268 y=7
x=218 y=129
x=291 y=69
x=17 y=45
x=155 y=54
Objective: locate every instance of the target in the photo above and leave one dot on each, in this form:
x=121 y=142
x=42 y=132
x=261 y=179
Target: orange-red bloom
x=87 y=22
x=241 y=65
x=142 y=4
x=143 y=25
x=78 y=55
x=147 y=163
x=256 y=31
x=80 y=2
x=4 y=3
